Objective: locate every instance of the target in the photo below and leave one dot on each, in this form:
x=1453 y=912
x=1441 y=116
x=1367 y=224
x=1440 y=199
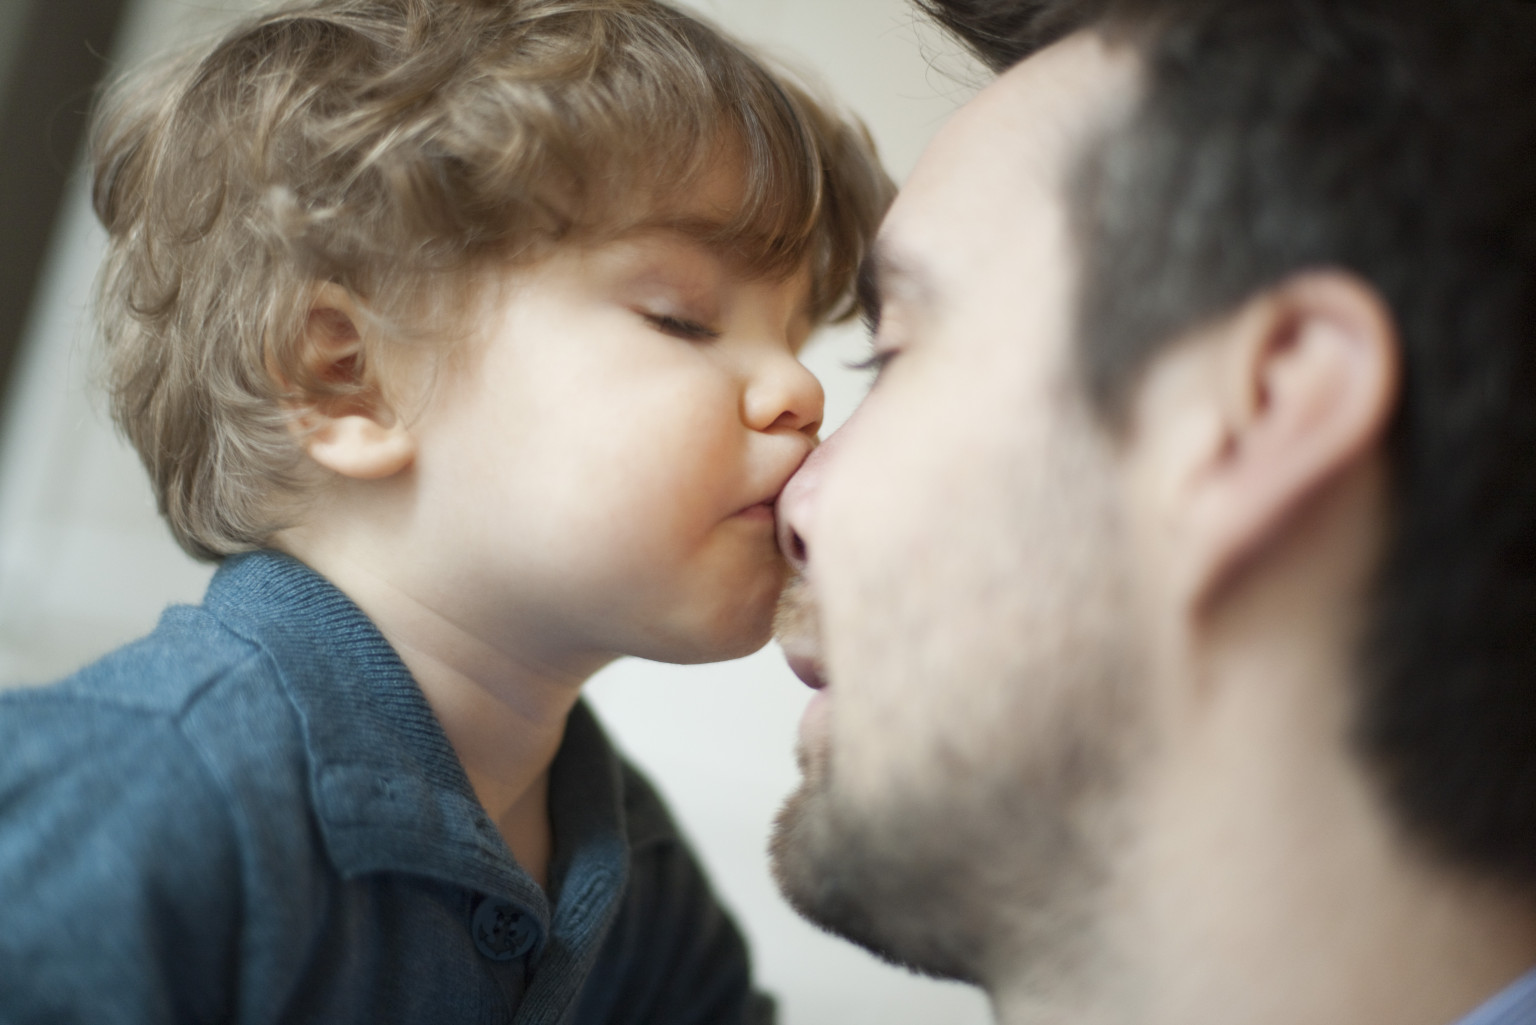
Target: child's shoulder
x=167 y=724
x=161 y=674
x=105 y=752
x=157 y=793
x=129 y=795
x=188 y=723
x=161 y=698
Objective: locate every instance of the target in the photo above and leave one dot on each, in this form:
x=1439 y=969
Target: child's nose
x=783 y=395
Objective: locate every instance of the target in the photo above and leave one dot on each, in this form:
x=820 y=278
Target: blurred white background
x=85 y=563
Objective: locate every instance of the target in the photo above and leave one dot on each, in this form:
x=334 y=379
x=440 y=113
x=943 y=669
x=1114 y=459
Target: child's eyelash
x=680 y=327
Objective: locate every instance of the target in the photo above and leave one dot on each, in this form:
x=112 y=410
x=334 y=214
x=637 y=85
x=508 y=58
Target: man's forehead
x=1053 y=100
x=1017 y=140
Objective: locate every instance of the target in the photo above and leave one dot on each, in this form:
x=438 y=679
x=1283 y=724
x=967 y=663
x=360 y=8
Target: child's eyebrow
x=702 y=235
x=706 y=238
x=743 y=252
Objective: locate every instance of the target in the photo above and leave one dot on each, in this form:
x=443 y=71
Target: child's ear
x=343 y=418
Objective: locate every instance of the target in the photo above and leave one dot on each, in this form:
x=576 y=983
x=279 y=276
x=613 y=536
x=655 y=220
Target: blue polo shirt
x=252 y=815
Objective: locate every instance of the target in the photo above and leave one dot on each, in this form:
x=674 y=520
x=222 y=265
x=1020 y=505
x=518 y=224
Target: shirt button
x=501 y=931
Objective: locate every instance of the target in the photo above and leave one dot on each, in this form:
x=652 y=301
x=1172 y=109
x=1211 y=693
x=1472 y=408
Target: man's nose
x=796 y=503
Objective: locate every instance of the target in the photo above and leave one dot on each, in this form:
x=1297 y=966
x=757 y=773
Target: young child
x=463 y=334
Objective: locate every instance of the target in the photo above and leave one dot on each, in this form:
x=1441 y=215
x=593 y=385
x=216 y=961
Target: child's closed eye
x=680 y=327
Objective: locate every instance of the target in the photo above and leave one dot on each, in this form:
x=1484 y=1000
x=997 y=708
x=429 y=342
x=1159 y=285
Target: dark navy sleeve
x=119 y=868
x=674 y=956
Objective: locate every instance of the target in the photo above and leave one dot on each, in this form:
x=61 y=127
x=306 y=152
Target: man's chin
x=808 y=864
x=830 y=867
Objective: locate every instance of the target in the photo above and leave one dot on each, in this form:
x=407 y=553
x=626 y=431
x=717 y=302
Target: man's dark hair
x=1003 y=32
x=1395 y=140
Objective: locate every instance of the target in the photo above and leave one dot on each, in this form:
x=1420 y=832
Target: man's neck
x=1293 y=898
x=1260 y=917
x=1265 y=879
x=1267 y=883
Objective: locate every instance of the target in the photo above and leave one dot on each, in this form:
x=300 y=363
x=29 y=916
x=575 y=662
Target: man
x=1171 y=599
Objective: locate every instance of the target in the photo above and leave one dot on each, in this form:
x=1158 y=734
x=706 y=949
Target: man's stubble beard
x=994 y=877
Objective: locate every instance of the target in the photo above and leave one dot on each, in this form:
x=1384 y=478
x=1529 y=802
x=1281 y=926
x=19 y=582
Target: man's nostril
x=796 y=547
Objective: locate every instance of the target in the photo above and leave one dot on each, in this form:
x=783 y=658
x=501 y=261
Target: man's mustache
x=796 y=618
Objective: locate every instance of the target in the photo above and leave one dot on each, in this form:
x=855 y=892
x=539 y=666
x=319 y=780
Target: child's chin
x=713 y=645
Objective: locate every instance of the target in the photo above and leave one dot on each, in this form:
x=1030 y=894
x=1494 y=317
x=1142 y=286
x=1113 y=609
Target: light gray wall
x=85 y=563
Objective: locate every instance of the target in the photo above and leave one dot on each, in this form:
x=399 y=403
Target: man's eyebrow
x=883 y=274
x=866 y=291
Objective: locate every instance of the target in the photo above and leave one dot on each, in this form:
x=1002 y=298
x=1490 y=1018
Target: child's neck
x=505 y=726
x=503 y=712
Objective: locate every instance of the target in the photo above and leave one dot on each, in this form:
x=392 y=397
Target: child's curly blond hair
x=399 y=148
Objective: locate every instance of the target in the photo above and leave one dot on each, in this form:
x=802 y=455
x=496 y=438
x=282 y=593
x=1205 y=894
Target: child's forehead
x=709 y=210
x=702 y=209
x=690 y=246
x=716 y=191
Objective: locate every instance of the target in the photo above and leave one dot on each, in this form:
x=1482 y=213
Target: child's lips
x=762 y=511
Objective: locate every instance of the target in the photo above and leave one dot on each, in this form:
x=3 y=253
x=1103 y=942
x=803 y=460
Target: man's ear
x=343 y=417
x=1260 y=413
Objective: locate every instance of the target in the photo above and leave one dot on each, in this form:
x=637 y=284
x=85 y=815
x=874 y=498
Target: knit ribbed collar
x=390 y=793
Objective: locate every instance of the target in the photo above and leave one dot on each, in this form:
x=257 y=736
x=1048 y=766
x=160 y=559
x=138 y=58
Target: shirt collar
x=389 y=792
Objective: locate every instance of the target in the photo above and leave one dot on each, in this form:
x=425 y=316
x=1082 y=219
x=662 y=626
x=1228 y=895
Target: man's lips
x=807 y=668
x=797 y=626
